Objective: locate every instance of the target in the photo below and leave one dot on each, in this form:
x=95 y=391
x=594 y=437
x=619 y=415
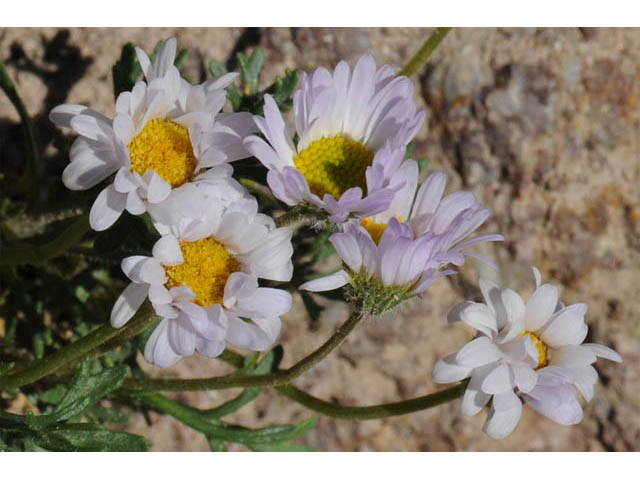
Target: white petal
x=107 y=208
x=167 y=251
x=585 y=379
x=247 y=335
x=265 y=303
x=182 y=336
x=501 y=423
x=499 y=380
x=158 y=189
x=525 y=378
x=128 y=303
x=239 y=285
x=159 y=295
x=477 y=352
x=330 y=282
x=572 y=356
x=480 y=317
x=447 y=370
x=157 y=350
x=143 y=269
x=541 y=306
x=565 y=327
x=603 y=351
x=474 y=398
x=347 y=248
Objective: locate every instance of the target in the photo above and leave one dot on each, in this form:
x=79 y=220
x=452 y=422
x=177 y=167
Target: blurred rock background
x=543 y=125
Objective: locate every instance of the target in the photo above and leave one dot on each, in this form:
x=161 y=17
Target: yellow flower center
x=165 y=147
x=206 y=268
x=543 y=361
x=334 y=165
x=374 y=228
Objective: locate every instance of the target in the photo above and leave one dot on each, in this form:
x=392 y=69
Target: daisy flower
x=342 y=120
x=202 y=280
x=400 y=252
x=166 y=133
x=525 y=353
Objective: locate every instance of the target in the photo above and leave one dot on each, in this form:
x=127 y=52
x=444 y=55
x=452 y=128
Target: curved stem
x=373 y=411
x=76 y=351
x=281 y=377
x=422 y=55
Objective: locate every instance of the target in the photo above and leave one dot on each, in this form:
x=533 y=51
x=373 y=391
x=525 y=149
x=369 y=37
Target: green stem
x=281 y=377
x=422 y=55
x=76 y=351
x=373 y=411
x=32 y=173
x=38 y=254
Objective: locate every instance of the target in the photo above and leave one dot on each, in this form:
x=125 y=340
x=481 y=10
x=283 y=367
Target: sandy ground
x=542 y=125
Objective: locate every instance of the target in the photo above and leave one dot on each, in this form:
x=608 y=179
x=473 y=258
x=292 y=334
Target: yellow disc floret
x=333 y=165
x=206 y=268
x=374 y=228
x=165 y=147
x=543 y=361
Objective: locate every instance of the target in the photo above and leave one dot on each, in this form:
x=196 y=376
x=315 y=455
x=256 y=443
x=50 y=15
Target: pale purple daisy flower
x=202 y=279
x=166 y=133
x=525 y=353
x=343 y=120
x=406 y=247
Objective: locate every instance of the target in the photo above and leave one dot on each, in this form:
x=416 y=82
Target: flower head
x=202 y=279
x=531 y=353
x=166 y=133
x=401 y=251
x=343 y=120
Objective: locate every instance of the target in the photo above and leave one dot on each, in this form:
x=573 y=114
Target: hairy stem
x=373 y=411
x=76 y=351
x=422 y=55
x=281 y=377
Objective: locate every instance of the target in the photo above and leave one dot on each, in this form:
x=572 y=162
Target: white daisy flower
x=343 y=120
x=203 y=281
x=531 y=353
x=165 y=133
x=403 y=249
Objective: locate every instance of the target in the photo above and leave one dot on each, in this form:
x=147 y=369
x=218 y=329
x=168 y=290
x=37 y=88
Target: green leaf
x=216 y=445
x=5 y=367
x=217 y=69
x=54 y=395
x=112 y=415
x=410 y=149
x=86 y=390
x=423 y=163
x=280 y=447
x=282 y=89
x=87 y=437
x=126 y=71
x=181 y=58
x=251 y=69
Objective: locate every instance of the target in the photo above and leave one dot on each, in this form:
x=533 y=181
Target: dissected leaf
x=251 y=68
x=126 y=71
x=87 y=437
x=86 y=390
x=217 y=69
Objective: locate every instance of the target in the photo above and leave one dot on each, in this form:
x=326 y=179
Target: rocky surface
x=542 y=124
